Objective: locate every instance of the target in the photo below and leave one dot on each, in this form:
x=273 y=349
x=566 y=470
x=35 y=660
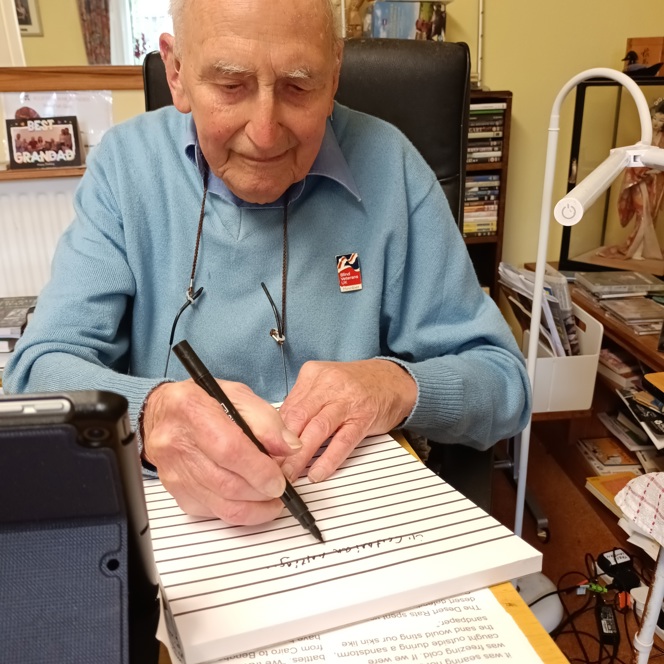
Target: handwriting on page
x=296 y=563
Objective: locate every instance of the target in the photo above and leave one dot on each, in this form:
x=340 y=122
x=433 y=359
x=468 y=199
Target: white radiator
x=33 y=214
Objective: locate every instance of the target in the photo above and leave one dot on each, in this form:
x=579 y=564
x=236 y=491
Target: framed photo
x=43 y=142
x=29 y=21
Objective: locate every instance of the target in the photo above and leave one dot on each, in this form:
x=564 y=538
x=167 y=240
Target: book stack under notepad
x=14 y=315
x=626 y=296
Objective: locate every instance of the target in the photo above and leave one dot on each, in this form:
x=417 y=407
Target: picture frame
x=29 y=19
x=43 y=143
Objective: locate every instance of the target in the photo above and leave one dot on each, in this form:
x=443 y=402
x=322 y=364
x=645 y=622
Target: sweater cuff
x=440 y=397
x=149 y=470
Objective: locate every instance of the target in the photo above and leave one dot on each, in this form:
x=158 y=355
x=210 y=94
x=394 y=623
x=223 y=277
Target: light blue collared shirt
x=330 y=163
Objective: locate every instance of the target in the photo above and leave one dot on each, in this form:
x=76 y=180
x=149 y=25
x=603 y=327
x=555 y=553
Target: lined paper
x=397 y=536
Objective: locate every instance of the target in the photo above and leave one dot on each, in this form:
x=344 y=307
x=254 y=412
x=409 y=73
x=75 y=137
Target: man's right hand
x=204 y=459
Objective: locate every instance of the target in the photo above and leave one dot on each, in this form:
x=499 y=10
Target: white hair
x=177 y=8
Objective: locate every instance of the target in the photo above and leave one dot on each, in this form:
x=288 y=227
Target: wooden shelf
x=642 y=347
x=95 y=77
x=491 y=166
x=42 y=173
x=481 y=239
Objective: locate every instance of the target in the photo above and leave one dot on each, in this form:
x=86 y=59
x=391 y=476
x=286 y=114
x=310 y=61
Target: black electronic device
x=78 y=582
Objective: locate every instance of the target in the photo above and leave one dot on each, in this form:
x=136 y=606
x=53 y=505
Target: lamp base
x=548 y=611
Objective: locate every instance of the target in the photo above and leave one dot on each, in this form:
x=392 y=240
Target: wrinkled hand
x=205 y=461
x=345 y=400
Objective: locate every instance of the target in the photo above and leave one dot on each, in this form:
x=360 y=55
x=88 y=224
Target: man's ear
x=173 y=73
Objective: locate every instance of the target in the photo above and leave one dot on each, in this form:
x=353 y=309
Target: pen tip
x=317 y=534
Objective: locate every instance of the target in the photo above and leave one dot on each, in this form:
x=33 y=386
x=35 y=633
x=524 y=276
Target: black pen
x=203 y=378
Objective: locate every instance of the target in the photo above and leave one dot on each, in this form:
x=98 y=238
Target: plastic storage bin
x=568 y=383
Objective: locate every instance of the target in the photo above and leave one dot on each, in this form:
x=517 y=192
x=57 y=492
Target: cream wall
x=62 y=40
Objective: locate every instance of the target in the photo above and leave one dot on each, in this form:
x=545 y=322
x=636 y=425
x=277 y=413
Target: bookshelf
x=560 y=434
x=486 y=249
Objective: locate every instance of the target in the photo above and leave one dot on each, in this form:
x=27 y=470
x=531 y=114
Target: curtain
x=95 y=23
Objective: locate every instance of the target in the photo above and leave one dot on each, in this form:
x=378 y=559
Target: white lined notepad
x=396 y=535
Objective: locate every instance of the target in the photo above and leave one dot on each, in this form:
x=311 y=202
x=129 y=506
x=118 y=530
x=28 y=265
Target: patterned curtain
x=95 y=24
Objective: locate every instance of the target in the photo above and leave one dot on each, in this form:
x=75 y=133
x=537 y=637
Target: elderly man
x=257 y=177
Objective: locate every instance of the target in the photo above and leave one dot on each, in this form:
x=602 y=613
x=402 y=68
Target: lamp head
x=570 y=209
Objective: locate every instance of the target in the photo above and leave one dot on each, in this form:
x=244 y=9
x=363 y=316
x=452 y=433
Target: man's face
x=259 y=77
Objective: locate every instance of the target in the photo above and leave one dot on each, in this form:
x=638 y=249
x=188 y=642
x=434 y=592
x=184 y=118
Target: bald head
x=178 y=9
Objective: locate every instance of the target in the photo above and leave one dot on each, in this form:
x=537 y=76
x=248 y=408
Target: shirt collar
x=329 y=163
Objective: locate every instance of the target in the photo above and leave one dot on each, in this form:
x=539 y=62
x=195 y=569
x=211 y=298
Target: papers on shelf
x=557 y=327
x=397 y=536
x=651 y=422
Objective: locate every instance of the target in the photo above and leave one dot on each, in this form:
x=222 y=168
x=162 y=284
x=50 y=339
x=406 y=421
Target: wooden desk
x=511 y=601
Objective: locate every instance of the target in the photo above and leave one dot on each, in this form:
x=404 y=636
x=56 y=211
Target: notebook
x=397 y=536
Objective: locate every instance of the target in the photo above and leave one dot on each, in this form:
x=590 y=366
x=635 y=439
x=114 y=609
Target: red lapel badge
x=348 y=270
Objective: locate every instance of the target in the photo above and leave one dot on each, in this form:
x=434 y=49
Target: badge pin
x=349 y=273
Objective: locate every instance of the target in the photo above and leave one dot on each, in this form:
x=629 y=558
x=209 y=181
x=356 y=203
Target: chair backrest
x=421 y=87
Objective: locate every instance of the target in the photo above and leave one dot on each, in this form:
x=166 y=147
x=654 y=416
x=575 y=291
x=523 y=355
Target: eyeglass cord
x=278 y=333
x=191 y=296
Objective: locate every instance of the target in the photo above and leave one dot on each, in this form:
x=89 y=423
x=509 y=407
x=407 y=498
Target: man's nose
x=263 y=128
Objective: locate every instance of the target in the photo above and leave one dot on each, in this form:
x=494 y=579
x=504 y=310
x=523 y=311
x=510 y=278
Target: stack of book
x=646 y=410
x=631 y=445
x=626 y=296
x=619 y=367
x=485 y=132
x=480 y=209
x=14 y=316
x=606 y=455
x=606 y=487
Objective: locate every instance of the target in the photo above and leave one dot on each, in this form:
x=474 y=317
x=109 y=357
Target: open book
x=397 y=536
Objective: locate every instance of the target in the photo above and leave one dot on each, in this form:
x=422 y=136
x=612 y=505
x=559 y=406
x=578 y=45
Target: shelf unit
x=486 y=250
x=559 y=435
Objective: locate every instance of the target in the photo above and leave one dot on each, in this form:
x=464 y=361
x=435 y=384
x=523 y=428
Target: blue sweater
x=121 y=269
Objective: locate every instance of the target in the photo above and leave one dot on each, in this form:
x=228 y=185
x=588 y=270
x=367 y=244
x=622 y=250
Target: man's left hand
x=347 y=401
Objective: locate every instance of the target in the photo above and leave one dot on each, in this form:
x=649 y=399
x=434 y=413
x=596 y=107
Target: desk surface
x=517 y=608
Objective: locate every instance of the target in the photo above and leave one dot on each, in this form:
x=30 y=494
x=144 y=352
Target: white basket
x=568 y=383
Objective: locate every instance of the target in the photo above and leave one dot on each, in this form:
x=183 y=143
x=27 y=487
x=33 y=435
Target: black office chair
x=423 y=88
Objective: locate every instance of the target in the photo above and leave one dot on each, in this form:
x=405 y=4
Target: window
x=135 y=28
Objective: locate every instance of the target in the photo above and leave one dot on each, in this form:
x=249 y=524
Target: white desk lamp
x=568 y=211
